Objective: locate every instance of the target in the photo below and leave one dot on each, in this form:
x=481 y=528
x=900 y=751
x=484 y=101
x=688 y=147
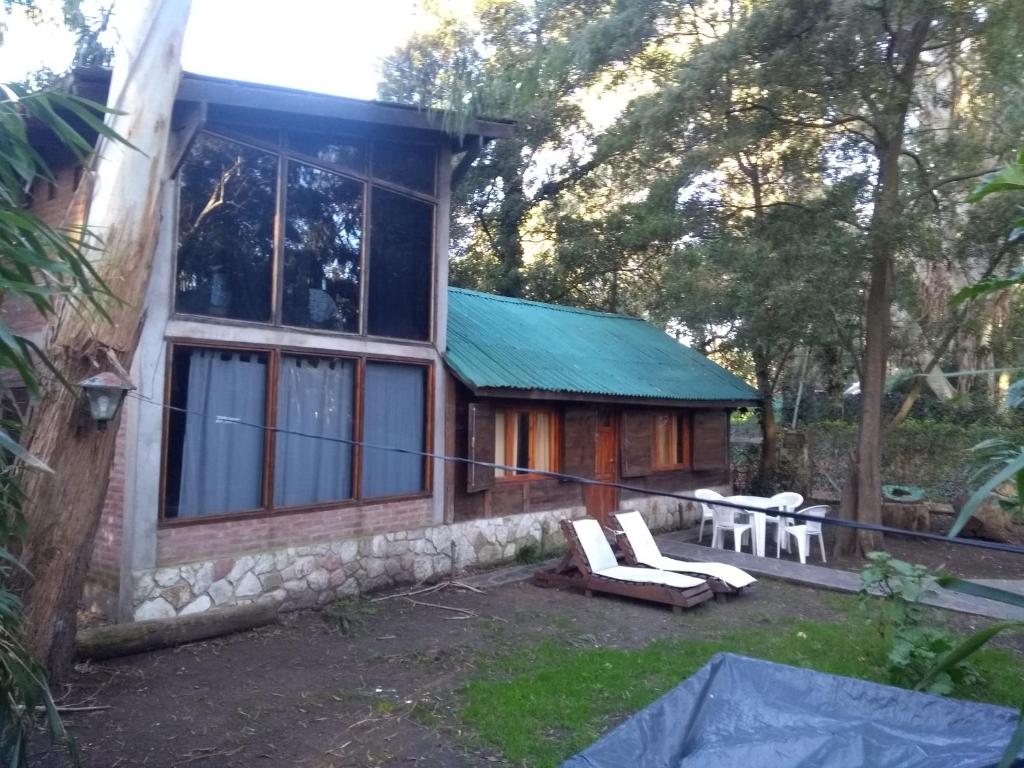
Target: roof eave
x=543 y=394
x=93 y=82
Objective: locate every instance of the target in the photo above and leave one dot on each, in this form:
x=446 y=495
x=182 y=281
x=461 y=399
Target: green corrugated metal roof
x=498 y=342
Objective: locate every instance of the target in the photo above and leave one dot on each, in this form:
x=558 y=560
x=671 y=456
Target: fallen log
x=108 y=642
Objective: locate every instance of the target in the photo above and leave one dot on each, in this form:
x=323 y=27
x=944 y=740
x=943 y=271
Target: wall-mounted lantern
x=104 y=393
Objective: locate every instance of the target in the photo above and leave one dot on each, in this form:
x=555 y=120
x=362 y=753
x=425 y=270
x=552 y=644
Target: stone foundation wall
x=316 y=574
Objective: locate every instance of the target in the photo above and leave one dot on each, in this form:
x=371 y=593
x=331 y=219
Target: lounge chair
x=640 y=548
x=600 y=571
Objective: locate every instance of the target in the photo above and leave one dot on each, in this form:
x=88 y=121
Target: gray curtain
x=315 y=397
x=222 y=460
x=393 y=416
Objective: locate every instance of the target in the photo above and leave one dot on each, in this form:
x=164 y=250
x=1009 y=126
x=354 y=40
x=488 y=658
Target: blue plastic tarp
x=747 y=713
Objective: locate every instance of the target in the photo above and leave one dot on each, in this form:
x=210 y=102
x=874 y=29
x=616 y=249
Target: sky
x=333 y=46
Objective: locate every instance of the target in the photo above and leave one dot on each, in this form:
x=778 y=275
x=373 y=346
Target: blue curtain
x=393 y=416
x=315 y=397
x=222 y=459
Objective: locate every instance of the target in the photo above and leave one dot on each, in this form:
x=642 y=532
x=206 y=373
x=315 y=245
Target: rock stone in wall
x=248 y=586
x=200 y=604
x=144 y=586
x=222 y=568
x=271 y=581
x=179 y=595
x=300 y=568
x=200 y=578
x=263 y=564
x=157 y=608
x=317 y=580
x=221 y=592
x=239 y=570
x=166 y=577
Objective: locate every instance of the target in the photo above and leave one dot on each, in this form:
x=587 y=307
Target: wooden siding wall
x=579 y=423
x=501 y=498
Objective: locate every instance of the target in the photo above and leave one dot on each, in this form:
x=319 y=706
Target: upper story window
x=310 y=231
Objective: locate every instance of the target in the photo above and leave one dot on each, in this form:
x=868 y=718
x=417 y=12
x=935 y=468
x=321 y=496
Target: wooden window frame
x=502 y=412
x=684 y=421
x=285 y=154
x=274 y=354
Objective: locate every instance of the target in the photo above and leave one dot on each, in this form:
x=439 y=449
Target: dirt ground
x=378 y=684
x=305 y=693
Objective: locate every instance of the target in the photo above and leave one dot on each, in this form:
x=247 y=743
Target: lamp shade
x=105 y=392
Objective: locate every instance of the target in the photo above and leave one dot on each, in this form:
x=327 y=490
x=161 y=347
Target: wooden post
x=63 y=509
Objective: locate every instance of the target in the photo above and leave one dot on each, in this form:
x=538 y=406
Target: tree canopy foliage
x=760 y=176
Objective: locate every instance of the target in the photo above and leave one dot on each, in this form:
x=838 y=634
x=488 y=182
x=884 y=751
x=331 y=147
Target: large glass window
x=227 y=452
x=216 y=434
x=315 y=418
x=329 y=149
x=226 y=230
x=400 y=266
x=526 y=439
x=394 y=416
x=293 y=251
x=411 y=165
x=322 y=239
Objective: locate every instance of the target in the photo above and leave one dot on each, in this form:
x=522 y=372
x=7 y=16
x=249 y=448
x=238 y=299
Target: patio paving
x=679 y=544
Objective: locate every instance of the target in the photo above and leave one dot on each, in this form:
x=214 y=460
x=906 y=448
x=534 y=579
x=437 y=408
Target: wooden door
x=603 y=501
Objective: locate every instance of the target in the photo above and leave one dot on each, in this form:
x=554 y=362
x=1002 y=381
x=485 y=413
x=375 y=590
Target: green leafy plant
x=1005 y=462
x=914 y=647
x=528 y=554
x=39 y=264
x=971 y=645
x=346 y=614
x=989 y=458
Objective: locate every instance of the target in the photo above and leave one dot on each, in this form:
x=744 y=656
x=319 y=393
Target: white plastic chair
x=788 y=500
x=724 y=520
x=706 y=514
x=803 y=532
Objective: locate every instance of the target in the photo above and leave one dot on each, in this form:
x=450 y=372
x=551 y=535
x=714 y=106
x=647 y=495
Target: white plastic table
x=760 y=519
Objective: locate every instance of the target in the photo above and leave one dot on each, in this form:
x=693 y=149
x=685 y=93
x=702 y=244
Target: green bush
x=891 y=595
x=933 y=454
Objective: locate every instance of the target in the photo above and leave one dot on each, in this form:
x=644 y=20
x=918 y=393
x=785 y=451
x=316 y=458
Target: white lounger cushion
x=646 y=550
x=596 y=548
x=602 y=560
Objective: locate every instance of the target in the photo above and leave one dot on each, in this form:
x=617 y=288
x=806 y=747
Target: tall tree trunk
x=864 y=482
x=63 y=509
x=768 y=463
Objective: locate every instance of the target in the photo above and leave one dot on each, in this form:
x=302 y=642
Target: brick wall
x=106 y=555
x=226 y=538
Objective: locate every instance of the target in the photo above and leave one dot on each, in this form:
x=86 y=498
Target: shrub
x=891 y=594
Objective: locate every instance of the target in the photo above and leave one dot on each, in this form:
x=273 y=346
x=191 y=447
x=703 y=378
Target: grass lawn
x=541 y=704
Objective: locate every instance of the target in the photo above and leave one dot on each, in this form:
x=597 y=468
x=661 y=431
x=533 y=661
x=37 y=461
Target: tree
x=857 y=115
x=846 y=80
x=542 y=57
x=63 y=508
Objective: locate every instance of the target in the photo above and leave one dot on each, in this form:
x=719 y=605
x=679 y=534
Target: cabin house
x=303 y=363
x=609 y=397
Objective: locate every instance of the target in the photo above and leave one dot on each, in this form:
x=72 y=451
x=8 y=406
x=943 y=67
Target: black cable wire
x=561 y=476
